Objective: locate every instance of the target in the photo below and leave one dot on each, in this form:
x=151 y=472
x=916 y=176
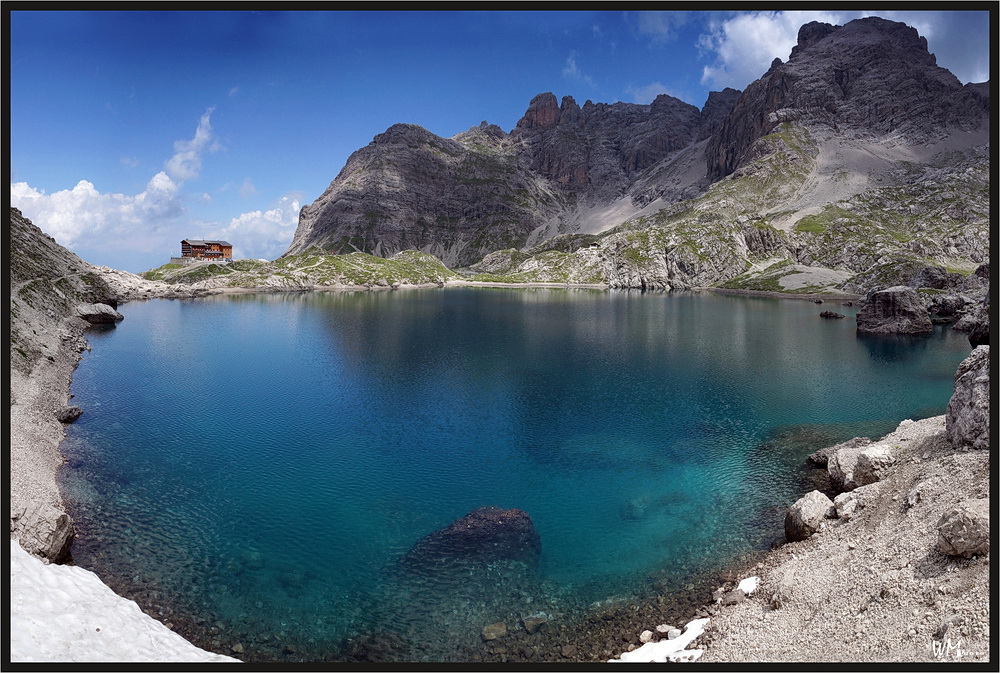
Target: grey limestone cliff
x=871 y=76
x=845 y=169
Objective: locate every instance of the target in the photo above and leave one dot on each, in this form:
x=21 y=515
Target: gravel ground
x=874 y=588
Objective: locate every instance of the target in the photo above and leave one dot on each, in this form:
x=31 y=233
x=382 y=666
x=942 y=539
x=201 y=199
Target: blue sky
x=132 y=130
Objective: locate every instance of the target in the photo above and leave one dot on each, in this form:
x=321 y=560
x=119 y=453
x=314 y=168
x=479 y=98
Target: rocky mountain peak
x=868 y=77
x=809 y=34
x=566 y=168
x=543 y=111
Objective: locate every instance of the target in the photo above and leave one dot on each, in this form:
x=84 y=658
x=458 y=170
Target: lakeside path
x=926 y=595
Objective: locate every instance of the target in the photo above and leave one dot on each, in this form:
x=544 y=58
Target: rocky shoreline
x=603 y=633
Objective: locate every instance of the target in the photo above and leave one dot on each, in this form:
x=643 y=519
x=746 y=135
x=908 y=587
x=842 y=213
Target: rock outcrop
x=456 y=198
x=964 y=530
x=597 y=151
x=807 y=515
x=98 y=313
x=43 y=529
x=895 y=310
x=870 y=75
x=968 y=417
x=485 y=534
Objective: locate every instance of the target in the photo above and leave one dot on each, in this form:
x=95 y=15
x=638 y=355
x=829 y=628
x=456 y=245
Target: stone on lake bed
x=494 y=631
x=484 y=534
x=532 y=624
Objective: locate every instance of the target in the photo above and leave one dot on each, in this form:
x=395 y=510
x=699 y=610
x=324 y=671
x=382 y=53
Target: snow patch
x=749 y=585
x=667 y=650
x=62 y=613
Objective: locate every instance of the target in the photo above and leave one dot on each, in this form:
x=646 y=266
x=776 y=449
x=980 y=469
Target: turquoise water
x=253 y=466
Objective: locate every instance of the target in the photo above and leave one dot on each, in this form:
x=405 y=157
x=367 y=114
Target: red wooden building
x=199 y=249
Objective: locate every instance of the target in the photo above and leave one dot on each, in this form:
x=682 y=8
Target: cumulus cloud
x=263 y=234
x=744 y=45
x=84 y=217
x=185 y=164
x=70 y=215
x=572 y=71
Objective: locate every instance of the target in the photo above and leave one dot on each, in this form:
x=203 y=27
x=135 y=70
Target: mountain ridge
x=867 y=98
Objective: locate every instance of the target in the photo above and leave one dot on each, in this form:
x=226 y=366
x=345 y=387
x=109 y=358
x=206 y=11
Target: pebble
x=494 y=631
x=645 y=636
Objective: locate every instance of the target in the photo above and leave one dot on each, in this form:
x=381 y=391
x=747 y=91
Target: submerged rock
x=484 y=534
x=896 y=310
x=533 y=624
x=494 y=631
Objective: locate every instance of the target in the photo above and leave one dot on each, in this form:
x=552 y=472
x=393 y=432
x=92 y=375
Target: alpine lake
x=252 y=468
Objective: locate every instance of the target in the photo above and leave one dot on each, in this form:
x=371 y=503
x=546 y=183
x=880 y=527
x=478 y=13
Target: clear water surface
x=256 y=465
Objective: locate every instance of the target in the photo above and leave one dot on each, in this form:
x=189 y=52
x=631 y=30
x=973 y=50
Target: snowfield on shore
x=61 y=613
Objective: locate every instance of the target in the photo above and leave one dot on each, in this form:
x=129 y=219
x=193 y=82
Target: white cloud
x=960 y=40
x=88 y=218
x=745 y=45
x=646 y=94
x=129 y=162
x=247 y=189
x=235 y=90
x=186 y=162
x=572 y=71
x=263 y=234
x=72 y=215
x=658 y=26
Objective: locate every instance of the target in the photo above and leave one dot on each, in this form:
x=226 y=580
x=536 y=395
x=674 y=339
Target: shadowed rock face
x=411 y=189
x=869 y=75
x=896 y=310
x=485 y=534
x=485 y=190
x=598 y=149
